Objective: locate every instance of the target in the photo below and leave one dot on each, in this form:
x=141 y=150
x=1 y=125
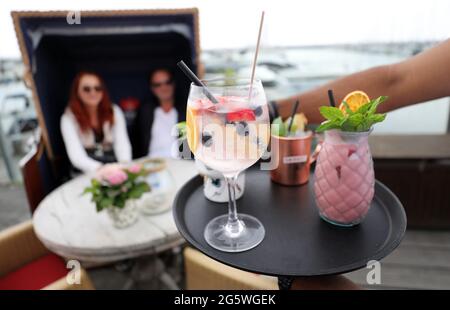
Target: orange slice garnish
x=191 y=129
x=355 y=100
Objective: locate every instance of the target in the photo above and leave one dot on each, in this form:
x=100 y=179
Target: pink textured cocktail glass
x=344 y=177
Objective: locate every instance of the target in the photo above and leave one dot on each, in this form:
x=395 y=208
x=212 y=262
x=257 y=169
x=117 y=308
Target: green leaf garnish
x=347 y=108
x=181 y=130
x=278 y=127
x=376 y=103
x=327 y=126
x=360 y=120
x=331 y=113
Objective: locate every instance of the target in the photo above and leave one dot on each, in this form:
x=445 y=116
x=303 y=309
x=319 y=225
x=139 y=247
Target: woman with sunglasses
x=93 y=129
x=157 y=117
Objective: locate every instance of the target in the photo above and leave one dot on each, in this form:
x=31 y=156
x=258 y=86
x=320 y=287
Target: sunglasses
x=166 y=83
x=88 y=89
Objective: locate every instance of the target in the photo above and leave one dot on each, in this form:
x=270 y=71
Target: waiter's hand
x=324 y=283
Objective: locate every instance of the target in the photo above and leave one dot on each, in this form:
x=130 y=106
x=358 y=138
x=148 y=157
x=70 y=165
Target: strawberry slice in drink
x=241 y=115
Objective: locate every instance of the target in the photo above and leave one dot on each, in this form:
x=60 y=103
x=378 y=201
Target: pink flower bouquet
x=113 y=185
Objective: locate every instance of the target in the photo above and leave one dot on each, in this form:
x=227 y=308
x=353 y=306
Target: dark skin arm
x=423 y=77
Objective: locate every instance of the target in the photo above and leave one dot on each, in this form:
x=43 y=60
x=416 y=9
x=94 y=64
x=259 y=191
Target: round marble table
x=67 y=223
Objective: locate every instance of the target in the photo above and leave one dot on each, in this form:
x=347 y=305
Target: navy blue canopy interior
x=122 y=48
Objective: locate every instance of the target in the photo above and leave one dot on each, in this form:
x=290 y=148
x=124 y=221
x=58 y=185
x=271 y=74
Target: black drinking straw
x=196 y=81
x=294 y=110
x=331 y=98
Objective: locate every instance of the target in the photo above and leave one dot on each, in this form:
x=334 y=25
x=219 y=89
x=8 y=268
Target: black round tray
x=297 y=242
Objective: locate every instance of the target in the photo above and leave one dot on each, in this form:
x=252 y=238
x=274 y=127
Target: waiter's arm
x=337 y=282
x=423 y=77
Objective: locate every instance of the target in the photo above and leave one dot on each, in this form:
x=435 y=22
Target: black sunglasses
x=88 y=89
x=168 y=82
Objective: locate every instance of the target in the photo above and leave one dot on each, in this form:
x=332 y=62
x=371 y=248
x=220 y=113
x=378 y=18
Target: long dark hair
x=105 y=109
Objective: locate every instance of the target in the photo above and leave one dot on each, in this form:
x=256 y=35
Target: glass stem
x=234 y=227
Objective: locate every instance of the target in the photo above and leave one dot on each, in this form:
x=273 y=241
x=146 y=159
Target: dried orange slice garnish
x=354 y=100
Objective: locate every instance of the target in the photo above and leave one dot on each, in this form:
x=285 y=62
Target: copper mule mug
x=293 y=158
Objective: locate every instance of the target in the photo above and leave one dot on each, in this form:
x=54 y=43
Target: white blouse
x=76 y=140
x=161 y=136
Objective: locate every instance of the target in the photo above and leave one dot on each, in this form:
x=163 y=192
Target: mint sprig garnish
x=360 y=120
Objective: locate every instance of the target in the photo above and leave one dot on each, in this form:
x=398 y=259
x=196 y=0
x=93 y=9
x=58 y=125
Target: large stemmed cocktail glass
x=229 y=136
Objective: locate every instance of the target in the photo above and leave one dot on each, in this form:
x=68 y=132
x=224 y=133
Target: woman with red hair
x=93 y=129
